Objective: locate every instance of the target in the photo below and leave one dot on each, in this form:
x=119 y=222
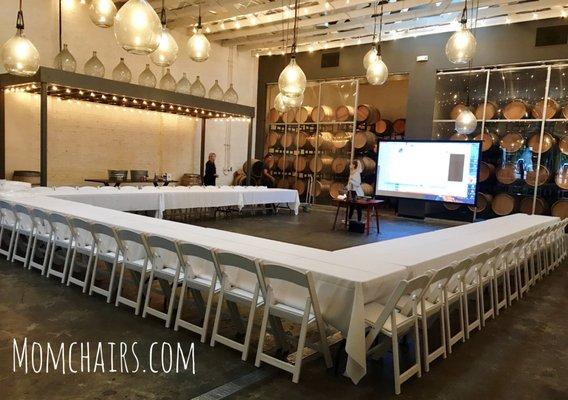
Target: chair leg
x=417 y=348
x=73 y=257
x=14 y=248
x=262 y=335
x=94 y=274
x=250 y=323
x=119 y=288
x=395 y=359
x=66 y=263
x=111 y=283
x=300 y=351
x=217 y=318
x=466 y=316
x=208 y=309
x=180 y=302
x=171 y=303
x=448 y=328
x=140 y=291
x=481 y=304
x=32 y=253
x=50 y=265
x=443 y=333
x=148 y=291
x=424 y=321
x=462 y=319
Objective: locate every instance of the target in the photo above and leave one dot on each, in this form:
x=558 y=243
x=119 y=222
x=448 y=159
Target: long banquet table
x=345 y=279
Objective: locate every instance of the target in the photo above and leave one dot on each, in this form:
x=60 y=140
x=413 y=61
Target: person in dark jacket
x=210 y=171
x=266 y=179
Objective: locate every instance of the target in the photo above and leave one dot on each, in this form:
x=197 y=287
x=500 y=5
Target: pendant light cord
x=60 y=17
x=470 y=61
x=163 y=18
x=463 y=19
x=380 y=32
x=199 y=19
x=294 y=39
x=20 y=19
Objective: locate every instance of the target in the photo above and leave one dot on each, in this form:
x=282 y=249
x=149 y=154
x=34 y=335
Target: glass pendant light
x=231 y=95
x=370 y=57
x=94 y=66
x=292 y=80
x=183 y=85
x=197 y=88
x=64 y=60
x=168 y=82
x=466 y=122
x=279 y=104
x=168 y=49
x=293 y=102
x=460 y=48
x=198 y=46
x=102 y=13
x=121 y=72
x=137 y=27
x=215 y=93
x=147 y=77
x=377 y=71
x=19 y=55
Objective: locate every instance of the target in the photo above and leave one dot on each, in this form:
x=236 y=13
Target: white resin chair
x=133 y=258
x=513 y=271
x=24 y=228
x=166 y=267
x=108 y=252
x=8 y=226
x=84 y=240
x=486 y=279
x=310 y=314
x=233 y=263
x=500 y=271
x=42 y=237
x=63 y=239
x=455 y=294
x=387 y=320
x=471 y=285
x=200 y=272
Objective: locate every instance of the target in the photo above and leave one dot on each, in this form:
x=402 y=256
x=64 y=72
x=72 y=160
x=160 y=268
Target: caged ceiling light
x=167 y=51
x=137 y=27
x=102 y=13
x=198 y=46
x=377 y=71
x=19 y=55
x=292 y=80
x=461 y=46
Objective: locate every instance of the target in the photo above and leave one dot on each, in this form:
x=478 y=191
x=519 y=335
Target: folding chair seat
x=234 y=293
x=24 y=227
x=309 y=314
x=84 y=240
x=41 y=241
x=107 y=253
x=200 y=272
x=455 y=294
x=8 y=225
x=62 y=239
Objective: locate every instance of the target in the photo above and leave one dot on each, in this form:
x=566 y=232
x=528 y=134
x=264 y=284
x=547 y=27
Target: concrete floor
x=521 y=355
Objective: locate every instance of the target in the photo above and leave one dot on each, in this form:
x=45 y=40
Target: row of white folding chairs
x=517 y=265
x=147 y=256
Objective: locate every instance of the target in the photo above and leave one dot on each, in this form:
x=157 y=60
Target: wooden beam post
x=249 y=151
x=43 y=134
x=202 y=157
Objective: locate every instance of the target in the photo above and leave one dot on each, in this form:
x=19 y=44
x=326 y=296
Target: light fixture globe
x=137 y=27
x=293 y=102
x=460 y=48
x=370 y=57
x=377 y=72
x=102 y=13
x=19 y=55
x=167 y=51
x=198 y=46
x=292 y=80
x=466 y=122
x=279 y=104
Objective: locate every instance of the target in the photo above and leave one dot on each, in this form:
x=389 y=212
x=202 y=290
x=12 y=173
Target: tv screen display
x=434 y=170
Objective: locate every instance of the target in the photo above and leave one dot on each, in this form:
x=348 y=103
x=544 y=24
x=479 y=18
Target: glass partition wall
x=521 y=113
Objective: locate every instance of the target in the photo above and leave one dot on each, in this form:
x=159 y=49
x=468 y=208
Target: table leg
x=155 y=183
x=116 y=184
x=346 y=214
x=336 y=214
x=166 y=183
x=377 y=218
x=368 y=224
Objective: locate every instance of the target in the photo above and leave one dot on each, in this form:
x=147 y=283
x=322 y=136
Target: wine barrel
x=486 y=170
x=272 y=138
x=321 y=187
x=526 y=206
x=512 y=142
x=336 y=188
x=563 y=145
x=289 y=116
x=240 y=180
x=256 y=167
x=364 y=139
x=543 y=176
x=300 y=186
x=32 y=177
x=344 y=113
x=316 y=164
x=504 y=204
x=565 y=111
x=457 y=109
x=340 y=139
x=367 y=164
x=560 y=209
x=561 y=178
x=459 y=137
x=489 y=140
x=399 y=126
x=491 y=110
x=482 y=204
x=195 y=179
x=304 y=114
x=322 y=114
x=451 y=206
x=293 y=140
x=339 y=165
x=516 y=109
x=547 y=142
x=383 y=127
x=286 y=163
x=274 y=116
x=300 y=163
x=275 y=160
x=284 y=183
x=552 y=108
x=507 y=174
x=367 y=189
x=368 y=114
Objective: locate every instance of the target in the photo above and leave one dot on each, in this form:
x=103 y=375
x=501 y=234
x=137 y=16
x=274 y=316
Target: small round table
x=367 y=204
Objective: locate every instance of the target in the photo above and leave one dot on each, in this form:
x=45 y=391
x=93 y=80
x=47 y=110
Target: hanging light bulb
x=292 y=80
x=198 y=46
x=460 y=48
x=293 y=102
x=167 y=51
x=137 y=27
x=19 y=55
x=279 y=104
x=370 y=57
x=377 y=71
x=466 y=122
x=102 y=13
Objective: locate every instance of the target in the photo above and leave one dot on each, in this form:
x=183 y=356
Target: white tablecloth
x=345 y=279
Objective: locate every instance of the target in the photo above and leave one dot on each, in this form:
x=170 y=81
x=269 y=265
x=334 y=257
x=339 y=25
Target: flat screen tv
x=429 y=170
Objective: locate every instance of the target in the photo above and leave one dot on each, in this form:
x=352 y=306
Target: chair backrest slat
x=194 y=250
x=275 y=271
x=159 y=242
x=237 y=261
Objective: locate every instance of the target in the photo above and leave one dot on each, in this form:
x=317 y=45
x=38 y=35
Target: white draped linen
x=345 y=279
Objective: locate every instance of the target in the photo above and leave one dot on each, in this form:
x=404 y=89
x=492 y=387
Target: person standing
x=210 y=171
x=354 y=188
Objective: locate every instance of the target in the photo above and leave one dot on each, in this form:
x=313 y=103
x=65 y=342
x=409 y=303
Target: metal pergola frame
x=70 y=85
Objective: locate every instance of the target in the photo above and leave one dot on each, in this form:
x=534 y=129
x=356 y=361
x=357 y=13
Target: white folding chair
x=42 y=235
x=486 y=277
x=200 y=275
x=8 y=223
x=24 y=227
x=231 y=264
x=106 y=252
x=309 y=314
x=471 y=285
x=386 y=319
x=513 y=268
x=455 y=294
x=63 y=239
x=84 y=240
x=166 y=267
x=500 y=271
x=133 y=258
